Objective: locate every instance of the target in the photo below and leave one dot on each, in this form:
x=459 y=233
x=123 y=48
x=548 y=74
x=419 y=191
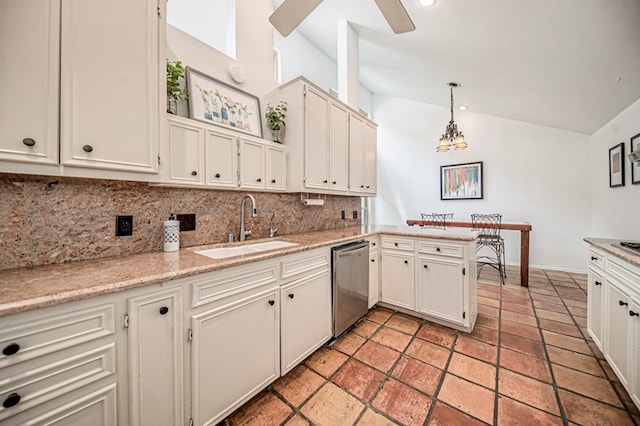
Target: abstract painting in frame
x=212 y=101
x=616 y=165
x=461 y=181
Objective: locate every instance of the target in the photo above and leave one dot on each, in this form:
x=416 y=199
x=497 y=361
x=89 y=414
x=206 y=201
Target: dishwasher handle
x=353 y=249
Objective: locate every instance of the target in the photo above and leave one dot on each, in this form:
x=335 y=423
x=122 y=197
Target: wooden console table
x=524 y=229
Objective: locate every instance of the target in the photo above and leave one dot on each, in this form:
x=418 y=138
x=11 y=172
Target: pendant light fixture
x=451 y=137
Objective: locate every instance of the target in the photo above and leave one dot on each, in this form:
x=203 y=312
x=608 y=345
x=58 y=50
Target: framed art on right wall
x=635 y=167
x=616 y=165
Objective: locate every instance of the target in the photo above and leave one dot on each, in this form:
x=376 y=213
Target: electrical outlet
x=187 y=222
x=355 y=214
x=124 y=226
x=343 y=215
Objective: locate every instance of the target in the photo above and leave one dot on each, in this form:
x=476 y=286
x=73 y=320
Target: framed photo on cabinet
x=635 y=167
x=215 y=102
x=616 y=165
x=461 y=181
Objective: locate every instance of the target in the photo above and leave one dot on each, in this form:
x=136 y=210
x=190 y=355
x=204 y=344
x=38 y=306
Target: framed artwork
x=616 y=165
x=461 y=181
x=212 y=101
x=635 y=167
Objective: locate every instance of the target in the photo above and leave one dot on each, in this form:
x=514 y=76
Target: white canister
x=171 y=234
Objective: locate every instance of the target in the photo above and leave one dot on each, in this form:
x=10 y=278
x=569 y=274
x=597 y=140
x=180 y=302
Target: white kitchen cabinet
x=305 y=317
x=595 y=302
x=29 y=73
x=276 y=168
x=440 y=288
x=371 y=158
x=316 y=139
x=374 y=272
x=252 y=164
x=185 y=157
x=155 y=348
x=397 y=276
x=634 y=317
x=235 y=354
x=338 y=147
x=221 y=159
x=362 y=156
x=617 y=344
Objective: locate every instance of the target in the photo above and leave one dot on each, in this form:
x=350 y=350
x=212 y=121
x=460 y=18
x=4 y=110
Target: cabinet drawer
x=596 y=259
x=36 y=382
x=628 y=274
x=23 y=337
x=397 y=243
x=437 y=248
x=216 y=286
x=305 y=263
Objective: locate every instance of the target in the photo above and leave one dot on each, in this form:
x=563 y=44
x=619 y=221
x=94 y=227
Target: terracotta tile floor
x=529 y=361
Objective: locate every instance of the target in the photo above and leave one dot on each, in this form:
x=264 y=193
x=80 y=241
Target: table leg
x=524 y=258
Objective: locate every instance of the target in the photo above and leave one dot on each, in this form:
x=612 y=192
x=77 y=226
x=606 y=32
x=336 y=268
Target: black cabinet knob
x=438 y=249
x=11 y=400
x=634 y=314
x=373 y=260
x=361 y=186
x=11 y=349
x=259 y=180
x=164 y=310
x=367 y=186
x=217 y=175
x=273 y=181
x=598 y=283
x=29 y=141
x=87 y=148
x=406 y=262
x=395 y=244
x=594 y=258
x=373 y=244
x=425 y=266
x=272 y=302
x=623 y=303
x=325 y=181
x=334 y=182
x=194 y=173
x=291 y=295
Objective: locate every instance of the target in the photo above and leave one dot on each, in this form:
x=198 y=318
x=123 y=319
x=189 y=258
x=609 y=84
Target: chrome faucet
x=254 y=213
x=272 y=231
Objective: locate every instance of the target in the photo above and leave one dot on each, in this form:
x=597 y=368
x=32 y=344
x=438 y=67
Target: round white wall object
x=237 y=73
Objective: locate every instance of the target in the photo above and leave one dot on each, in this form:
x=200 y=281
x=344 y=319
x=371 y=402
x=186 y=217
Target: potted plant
x=275 y=119
x=175 y=72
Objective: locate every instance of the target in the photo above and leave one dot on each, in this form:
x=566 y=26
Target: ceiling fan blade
x=396 y=15
x=290 y=13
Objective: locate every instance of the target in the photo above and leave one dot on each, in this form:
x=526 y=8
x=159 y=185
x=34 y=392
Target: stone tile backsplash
x=53 y=219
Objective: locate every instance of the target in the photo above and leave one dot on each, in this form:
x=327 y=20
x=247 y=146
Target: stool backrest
x=436 y=220
x=487 y=224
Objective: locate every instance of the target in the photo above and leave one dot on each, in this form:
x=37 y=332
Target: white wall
x=531 y=173
x=616 y=211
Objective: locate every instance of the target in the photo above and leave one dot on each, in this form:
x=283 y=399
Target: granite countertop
x=36 y=287
x=608 y=246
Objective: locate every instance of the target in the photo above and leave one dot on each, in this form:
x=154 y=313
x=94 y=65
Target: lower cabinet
x=305 y=318
x=617 y=343
x=634 y=316
x=397 y=275
x=374 y=277
x=595 y=300
x=440 y=287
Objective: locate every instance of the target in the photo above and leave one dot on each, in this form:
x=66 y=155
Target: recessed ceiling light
x=427 y=3
x=463 y=107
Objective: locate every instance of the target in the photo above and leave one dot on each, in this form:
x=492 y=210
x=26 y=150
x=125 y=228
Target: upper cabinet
x=101 y=66
x=332 y=149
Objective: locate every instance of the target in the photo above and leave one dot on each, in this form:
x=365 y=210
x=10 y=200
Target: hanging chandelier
x=451 y=137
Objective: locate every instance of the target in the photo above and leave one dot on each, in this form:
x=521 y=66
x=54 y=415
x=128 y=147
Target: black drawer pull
x=273 y=181
x=272 y=302
x=164 y=310
x=623 y=303
x=594 y=258
x=217 y=175
x=395 y=244
x=194 y=173
x=11 y=400
x=87 y=148
x=11 y=349
x=361 y=186
x=367 y=186
x=373 y=260
x=334 y=182
x=598 y=283
x=437 y=249
x=325 y=181
x=634 y=314
x=406 y=262
x=291 y=295
x=259 y=180
x=29 y=141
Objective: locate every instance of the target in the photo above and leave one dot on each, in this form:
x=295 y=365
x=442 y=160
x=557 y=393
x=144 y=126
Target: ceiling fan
x=292 y=12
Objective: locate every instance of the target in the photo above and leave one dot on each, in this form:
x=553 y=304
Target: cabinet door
x=634 y=315
x=186 y=154
x=222 y=159
x=370 y=140
x=440 y=288
x=594 y=307
x=316 y=138
x=616 y=347
x=305 y=318
x=29 y=48
x=276 y=168
x=397 y=277
x=252 y=161
x=374 y=273
x=109 y=92
x=356 y=154
x=235 y=354
x=338 y=147
x=155 y=342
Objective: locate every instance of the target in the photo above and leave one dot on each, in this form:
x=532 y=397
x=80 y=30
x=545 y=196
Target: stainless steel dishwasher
x=350 y=264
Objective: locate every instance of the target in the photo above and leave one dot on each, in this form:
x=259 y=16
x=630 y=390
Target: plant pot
x=172 y=106
x=277 y=135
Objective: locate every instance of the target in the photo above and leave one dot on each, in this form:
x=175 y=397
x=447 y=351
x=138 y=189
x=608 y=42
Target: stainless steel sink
x=224 y=252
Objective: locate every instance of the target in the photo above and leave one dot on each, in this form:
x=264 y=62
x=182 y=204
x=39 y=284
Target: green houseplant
x=175 y=72
x=275 y=116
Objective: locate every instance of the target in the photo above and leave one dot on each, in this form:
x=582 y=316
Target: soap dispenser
x=171 y=234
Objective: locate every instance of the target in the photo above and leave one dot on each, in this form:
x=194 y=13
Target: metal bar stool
x=436 y=220
x=489 y=238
